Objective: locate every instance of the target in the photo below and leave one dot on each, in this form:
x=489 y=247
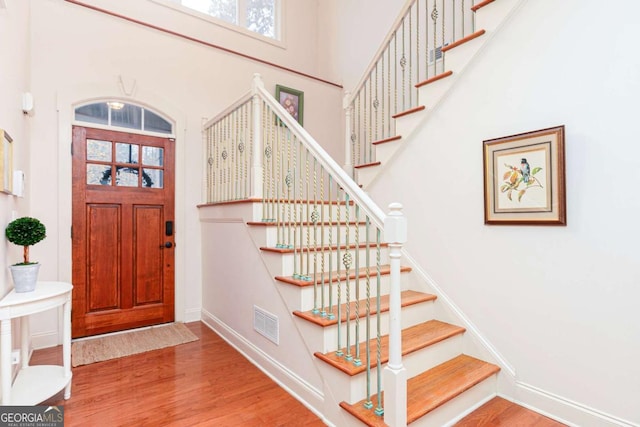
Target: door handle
x=167 y=245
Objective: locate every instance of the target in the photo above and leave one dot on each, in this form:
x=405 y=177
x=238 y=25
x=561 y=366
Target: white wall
x=559 y=303
x=360 y=27
x=79 y=54
x=14 y=81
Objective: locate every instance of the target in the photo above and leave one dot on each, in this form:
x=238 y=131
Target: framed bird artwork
x=524 y=178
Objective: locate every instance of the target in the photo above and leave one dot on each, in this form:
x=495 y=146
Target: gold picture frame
x=6 y=162
x=524 y=178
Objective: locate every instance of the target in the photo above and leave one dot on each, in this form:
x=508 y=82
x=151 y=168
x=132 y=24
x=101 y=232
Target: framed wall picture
x=6 y=162
x=292 y=100
x=524 y=178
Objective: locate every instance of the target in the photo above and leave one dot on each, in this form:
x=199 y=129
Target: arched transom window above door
x=121 y=159
x=121 y=116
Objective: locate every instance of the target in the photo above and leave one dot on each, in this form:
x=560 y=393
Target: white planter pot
x=24 y=277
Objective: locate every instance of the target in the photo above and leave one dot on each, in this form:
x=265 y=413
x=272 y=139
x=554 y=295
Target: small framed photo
x=524 y=178
x=6 y=162
x=292 y=100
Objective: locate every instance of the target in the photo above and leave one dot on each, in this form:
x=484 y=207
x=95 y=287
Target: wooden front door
x=123 y=231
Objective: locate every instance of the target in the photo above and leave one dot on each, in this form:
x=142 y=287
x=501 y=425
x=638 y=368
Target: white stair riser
x=309 y=261
x=310 y=236
x=492 y=15
x=306 y=294
x=301 y=212
x=386 y=150
x=406 y=124
x=450 y=412
x=326 y=339
x=431 y=93
x=458 y=57
x=415 y=363
x=365 y=175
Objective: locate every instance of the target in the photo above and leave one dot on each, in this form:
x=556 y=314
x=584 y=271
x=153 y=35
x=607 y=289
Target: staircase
x=389 y=351
x=444 y=383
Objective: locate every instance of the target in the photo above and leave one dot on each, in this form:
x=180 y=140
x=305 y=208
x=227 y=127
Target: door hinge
x=71 y=231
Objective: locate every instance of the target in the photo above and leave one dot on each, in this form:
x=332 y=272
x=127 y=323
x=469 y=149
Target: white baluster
x=348 y=161
x=257 y=167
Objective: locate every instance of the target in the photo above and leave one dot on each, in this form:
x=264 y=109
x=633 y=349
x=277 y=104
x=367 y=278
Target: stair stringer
x=432 y=95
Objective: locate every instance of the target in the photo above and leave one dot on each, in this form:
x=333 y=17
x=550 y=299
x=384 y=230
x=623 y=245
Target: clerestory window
x=259 y=16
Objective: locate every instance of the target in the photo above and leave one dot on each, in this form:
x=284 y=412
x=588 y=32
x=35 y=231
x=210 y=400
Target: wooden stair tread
x=501 y=412
x=413 y=339
x=367 y=165
x=409 y=111
x=362 y=273
x=463 y=40
x=435 y=78
x=408 y=298
x=432 y=388
x=481 y=5
x=390 y=139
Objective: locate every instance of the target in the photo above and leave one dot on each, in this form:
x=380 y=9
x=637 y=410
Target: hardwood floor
x=208 y=383
x=499 y=412
x=202 y=383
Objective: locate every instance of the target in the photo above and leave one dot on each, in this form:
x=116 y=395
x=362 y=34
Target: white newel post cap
x=395 y=225
x=257 y=81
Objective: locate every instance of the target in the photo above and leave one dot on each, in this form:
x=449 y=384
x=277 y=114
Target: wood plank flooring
x=202 y=383
x=208 y=383
x=499 y=412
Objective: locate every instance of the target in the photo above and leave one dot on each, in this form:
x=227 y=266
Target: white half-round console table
x=34 y=384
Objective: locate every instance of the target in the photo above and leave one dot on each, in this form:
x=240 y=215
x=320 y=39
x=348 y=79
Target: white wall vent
x=266 y=324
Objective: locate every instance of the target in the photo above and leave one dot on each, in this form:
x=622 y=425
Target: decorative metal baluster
x=403 y=65
x=444 y=10
x=376 y=105
x=338 y=281
x=417 y=50
x=360 y=136
x=322 y=247
x=224 y=155
x=276 y=134
x=297 y=254
x=357 y=361
x=395 y=72
x=346 y=261
x=410 y=60
x=331 y=315
x=234 y=155
x=314 y=219
x=300 y=206
x=434 y=18
x=370 y=134
x=289 y=183
x=265 y=163
x=368 y=404
x=379 y=409
x=307 y=276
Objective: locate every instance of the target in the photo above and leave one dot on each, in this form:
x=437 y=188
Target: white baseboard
x=192 y=315
x=565 y=410
x=288 y=380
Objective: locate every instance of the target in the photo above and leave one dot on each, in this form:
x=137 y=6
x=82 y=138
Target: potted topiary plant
x=25 y=232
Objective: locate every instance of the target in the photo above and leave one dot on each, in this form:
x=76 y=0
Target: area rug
x=84 y=352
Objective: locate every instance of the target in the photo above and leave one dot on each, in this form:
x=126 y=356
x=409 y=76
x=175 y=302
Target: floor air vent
x=265 y=324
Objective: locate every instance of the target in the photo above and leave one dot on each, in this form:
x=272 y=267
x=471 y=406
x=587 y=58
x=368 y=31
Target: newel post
x=348 y=144
x=395 y=375
x=256 y=167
